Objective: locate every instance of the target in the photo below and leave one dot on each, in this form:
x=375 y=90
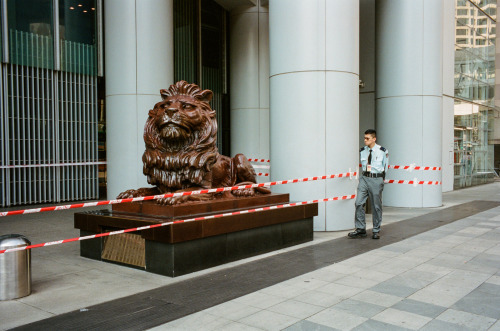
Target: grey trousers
x=369 y=187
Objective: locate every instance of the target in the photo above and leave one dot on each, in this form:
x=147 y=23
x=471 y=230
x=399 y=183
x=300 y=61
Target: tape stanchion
x=170 y=195
x=147 y=227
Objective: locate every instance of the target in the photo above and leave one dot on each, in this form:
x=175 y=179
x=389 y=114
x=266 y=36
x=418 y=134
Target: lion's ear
x=164 y=94
x=205 y=95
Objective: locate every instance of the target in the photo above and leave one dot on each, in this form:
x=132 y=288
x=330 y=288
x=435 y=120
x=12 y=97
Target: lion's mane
x=175 y=165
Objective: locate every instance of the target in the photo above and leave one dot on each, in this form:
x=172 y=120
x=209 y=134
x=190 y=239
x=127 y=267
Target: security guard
x=374 y=161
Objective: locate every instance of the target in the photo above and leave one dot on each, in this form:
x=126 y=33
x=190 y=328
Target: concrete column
x=448 y=171
x=249 y=68
x=139 y=62
x=409 y=95
x=314 y=118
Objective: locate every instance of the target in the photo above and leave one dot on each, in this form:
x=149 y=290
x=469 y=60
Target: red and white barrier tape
x=169 y=195
x=51 y=165
x=413 y=167
x=64 y=241
x=259 y=160
x=410 y=167
x=262 y=174
x=411 y=182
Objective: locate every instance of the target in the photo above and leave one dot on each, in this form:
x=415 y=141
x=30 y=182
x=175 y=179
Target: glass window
x=492 y=31
x=474 y=90
x=482 y=21
x=200 y=55
x=186 y=41
x=77 y=29
x=31 y=30
x=463 y=21
x=488 y=6
x=213 y=59
x=474 y=58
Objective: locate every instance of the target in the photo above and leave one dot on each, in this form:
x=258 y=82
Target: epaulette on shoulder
x=383 y=149
x=361 y=149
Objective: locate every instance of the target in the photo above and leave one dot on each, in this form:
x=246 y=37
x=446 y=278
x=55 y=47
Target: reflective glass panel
x=31 y=32
x=77 y=29
x=475 y=35
x=474 y=91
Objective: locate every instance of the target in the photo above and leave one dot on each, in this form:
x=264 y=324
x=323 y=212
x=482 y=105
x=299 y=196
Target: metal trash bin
x=15 y=268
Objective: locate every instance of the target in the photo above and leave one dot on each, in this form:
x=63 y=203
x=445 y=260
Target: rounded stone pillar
x=314 y=117
x=409 y=96
x=249 y=68
x=139 y=62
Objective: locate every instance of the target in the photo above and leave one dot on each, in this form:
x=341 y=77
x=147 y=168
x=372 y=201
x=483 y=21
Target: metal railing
x=47 y=117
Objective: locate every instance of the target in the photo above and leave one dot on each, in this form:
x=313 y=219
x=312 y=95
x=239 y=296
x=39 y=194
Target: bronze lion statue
x=181 y=154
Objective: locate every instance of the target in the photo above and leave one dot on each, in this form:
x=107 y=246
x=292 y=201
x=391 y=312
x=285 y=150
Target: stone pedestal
x=183 y=248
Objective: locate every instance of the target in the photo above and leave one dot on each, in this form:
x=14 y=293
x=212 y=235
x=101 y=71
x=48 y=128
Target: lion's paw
x=245 y=192
x=172 y=200
x=128 y=194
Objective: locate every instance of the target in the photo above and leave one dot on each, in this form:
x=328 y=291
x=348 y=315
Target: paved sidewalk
x=444 y=279
x=64 y=282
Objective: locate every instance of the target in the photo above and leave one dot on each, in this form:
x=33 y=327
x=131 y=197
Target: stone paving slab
x=295 y=269
x=423 y=245
x=433 y=294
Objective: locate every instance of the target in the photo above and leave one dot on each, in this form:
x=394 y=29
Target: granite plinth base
x=183 y=248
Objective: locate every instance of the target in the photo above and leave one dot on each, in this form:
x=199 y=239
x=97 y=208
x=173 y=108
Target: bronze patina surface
x=201 y=207
x=122 y=218
x=181 y=154
x=185 y=247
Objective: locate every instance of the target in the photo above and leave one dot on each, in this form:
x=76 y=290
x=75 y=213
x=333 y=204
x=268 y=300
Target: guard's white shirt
x=380 y=159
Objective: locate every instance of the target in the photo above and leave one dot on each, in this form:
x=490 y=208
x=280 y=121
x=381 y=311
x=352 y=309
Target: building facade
x=475 y=110
x=294 y=81
x=50 y=100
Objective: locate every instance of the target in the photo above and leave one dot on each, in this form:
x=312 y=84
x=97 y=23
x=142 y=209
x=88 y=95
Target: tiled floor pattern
x=444 y=279
x=63 y=283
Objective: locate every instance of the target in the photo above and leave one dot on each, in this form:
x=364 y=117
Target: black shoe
x=358 y=233
x=375 y=235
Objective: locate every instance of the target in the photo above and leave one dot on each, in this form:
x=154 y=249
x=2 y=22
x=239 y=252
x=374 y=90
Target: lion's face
x=177 y=117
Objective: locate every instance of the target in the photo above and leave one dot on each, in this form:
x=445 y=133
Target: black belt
x=369 y=174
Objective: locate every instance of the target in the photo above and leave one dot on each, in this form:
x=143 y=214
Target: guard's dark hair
x=372 y=132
